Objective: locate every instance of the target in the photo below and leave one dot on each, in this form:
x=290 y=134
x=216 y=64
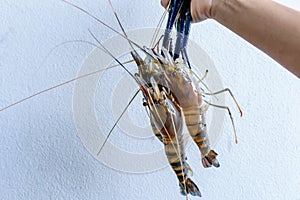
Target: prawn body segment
x=171 y=95
x=171 y=92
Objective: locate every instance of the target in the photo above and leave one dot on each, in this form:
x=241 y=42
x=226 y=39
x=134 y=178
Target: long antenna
x=115 y=124
x=119 y=22
x=64 y=43
x=157 y=29
x=106 y=25
x=109 y=53
x=61 y=84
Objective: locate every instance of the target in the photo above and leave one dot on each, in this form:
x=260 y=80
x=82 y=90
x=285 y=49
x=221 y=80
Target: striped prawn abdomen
x=196 y=125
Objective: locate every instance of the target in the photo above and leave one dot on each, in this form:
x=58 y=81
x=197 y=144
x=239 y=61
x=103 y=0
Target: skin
x=271 y=27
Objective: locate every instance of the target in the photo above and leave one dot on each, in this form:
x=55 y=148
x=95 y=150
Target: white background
x=42 y=158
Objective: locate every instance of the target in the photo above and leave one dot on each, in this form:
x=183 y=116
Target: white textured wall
x=42 y=158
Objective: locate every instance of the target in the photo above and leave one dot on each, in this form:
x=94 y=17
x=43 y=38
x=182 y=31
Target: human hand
x=200 y=9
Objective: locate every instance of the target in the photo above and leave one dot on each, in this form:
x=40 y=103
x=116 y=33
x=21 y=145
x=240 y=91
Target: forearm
x=271 y=27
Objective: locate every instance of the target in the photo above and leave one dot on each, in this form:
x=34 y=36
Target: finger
x=164 y=3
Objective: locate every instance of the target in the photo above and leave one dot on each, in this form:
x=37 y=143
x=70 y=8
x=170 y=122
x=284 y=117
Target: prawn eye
x=145 y=104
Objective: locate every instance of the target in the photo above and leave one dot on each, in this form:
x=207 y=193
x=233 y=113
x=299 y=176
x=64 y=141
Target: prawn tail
x=182 y=169
x=189 y=188
x=210 y=159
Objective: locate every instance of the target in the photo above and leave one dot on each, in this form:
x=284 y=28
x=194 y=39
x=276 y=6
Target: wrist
x=200 y=9
x=217 y=8
x=214 y=8
x=221 y=8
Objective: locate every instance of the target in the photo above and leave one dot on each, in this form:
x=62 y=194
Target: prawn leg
x=183 y=31
x=231 y=94
x=178 y=9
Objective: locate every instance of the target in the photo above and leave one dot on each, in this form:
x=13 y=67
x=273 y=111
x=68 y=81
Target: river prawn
x=171 y=93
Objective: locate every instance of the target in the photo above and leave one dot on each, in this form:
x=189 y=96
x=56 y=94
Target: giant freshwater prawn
x=171 y=92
